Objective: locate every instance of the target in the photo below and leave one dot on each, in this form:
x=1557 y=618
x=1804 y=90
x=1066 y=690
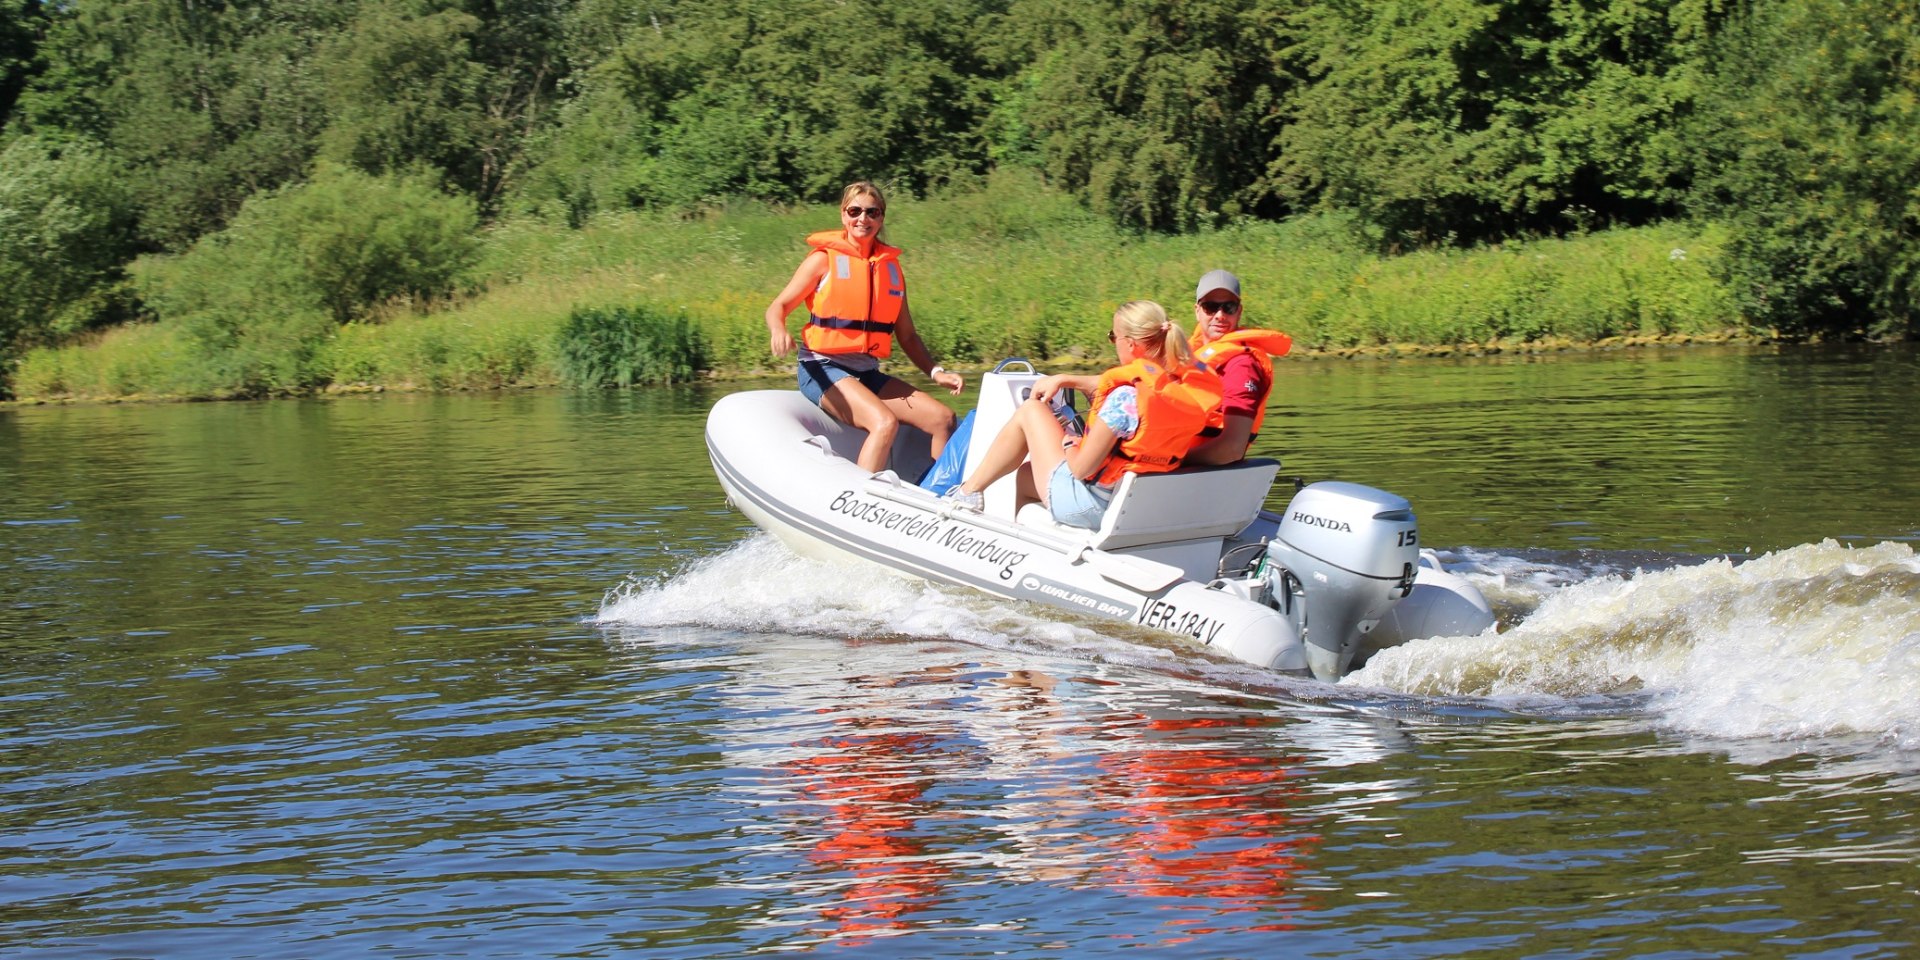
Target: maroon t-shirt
x=1246 y=387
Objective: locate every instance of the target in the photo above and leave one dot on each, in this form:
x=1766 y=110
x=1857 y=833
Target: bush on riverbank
x=622 y=347
x=1011 y=270
x=64 y=223
x=258 y=302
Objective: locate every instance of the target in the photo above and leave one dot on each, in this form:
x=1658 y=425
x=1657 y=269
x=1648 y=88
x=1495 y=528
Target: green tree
x=262 y=294
x=627 y=73
x=20 y=24
x=776 y=99
x=1814 y=146
x=202 y=103
x=1156 y=113
x=63 y=235
x=341 y=243
x=207 y=103
x=461 y=88
x=401 y=91
x=1476 y=119
x=523 y=46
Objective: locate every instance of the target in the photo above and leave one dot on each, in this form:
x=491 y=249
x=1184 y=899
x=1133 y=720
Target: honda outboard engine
x=1343 y=556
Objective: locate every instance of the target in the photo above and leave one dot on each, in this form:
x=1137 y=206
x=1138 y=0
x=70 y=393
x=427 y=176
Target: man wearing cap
x=1242 y=357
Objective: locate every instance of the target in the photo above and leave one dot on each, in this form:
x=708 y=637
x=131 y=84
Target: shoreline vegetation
x=1011 y=269
x=284 y=198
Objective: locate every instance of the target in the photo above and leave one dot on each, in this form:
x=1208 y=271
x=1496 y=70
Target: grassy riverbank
x=1013 y=270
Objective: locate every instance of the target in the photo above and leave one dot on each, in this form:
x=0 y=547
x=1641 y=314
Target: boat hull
x=781 y=462
x=1190 y=553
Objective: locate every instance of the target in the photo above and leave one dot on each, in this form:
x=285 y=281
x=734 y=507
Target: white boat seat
x=1195 y=503
x=1037 y=516
x=1192 y=503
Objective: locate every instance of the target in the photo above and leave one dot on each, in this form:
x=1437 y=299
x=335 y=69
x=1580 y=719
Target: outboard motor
x=1343 y=556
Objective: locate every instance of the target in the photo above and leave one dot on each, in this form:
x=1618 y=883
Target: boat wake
x=760 y=586
x=1820 y=641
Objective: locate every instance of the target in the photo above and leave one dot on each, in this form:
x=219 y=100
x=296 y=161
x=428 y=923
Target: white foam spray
x=759 y=585
x=1819 y=640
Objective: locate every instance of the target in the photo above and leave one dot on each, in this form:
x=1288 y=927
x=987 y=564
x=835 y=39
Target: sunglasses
x=853 y=213
x=1226 y=307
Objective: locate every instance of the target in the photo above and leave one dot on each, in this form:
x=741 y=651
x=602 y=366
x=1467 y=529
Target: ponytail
x=1144 y=322
x=1175 y=352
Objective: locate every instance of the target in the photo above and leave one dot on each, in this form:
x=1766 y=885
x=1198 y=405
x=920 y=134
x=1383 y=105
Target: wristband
x=936 y=371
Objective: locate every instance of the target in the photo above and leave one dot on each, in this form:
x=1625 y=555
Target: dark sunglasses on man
x=1226 y=307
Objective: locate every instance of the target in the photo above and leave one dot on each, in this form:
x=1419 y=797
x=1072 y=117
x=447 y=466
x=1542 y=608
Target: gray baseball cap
x=1217 y=280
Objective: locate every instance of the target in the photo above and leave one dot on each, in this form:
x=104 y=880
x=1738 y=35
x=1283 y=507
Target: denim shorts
x=817 y=375
x=1074 y=501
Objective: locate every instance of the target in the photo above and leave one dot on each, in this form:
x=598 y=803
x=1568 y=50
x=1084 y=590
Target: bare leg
x=916 y=408
x=851 y=403
x=1023 y=488
x=1034 y=432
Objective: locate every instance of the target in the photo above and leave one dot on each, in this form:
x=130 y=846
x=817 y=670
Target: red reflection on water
x=873 y=786
x=1202 y=804
x=1211 y=820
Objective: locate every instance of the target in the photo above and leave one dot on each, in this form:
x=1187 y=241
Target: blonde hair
x=871 y=189
x=858 y=187
x=1146 y=323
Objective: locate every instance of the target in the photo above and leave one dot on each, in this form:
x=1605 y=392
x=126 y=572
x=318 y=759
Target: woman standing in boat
x=856 y=302
x=1148 y=411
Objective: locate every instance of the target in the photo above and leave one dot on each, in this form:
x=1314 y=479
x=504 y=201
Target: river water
x=502 y=675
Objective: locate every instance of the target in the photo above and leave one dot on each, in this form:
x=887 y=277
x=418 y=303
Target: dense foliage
x=624 y=346
x=264 y=292
x=653 y=297
x=64 y=217
x=1814 y=162
x=1471 y=119
x=142 y=128
x=20 y=22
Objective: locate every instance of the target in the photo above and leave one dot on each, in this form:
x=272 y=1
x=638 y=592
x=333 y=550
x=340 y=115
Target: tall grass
x=622 y=347
x=1012 y=269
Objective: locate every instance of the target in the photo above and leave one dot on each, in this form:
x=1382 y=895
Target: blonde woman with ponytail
x=1148 y=411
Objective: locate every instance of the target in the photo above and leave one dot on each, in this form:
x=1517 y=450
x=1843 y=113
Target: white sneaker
x=962 y=500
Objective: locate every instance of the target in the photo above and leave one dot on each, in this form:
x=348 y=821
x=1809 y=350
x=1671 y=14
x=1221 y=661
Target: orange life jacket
x=1175 y=405
x=854 y=307
x=1261 y=345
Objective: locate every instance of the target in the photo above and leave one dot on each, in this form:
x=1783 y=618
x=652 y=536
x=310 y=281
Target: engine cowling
x=1343 y=556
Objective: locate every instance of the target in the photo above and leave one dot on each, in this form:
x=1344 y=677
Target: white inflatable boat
x=1313 y=590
